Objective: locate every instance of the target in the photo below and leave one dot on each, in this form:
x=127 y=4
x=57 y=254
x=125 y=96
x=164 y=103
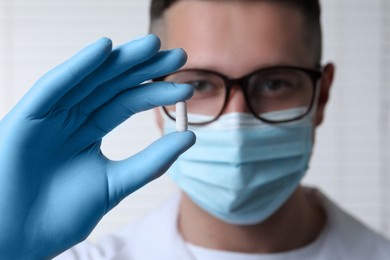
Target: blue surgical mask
x=242 y=170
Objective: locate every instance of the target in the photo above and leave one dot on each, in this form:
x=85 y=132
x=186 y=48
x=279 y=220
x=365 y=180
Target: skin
x=236 y=38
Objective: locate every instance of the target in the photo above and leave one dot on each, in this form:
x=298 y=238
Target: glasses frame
x=314 y=74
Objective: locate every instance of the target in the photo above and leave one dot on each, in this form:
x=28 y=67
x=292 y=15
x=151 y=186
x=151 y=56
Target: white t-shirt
x=156 y=237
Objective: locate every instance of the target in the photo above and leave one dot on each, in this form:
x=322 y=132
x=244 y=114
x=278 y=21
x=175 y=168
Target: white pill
x=181 y=116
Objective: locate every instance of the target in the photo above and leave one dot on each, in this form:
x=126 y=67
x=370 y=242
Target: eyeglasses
x=268 y=93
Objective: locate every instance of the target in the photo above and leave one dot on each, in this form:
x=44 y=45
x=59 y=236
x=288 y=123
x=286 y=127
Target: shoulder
x=348 y=237
x=137 y=240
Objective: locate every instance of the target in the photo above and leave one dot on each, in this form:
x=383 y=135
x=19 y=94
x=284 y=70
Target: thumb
x=125 y=177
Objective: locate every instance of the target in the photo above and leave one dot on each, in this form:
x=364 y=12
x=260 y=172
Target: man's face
x=237 y=37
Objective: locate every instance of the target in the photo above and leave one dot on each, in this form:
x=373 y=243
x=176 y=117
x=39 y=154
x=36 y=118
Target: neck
x=296 y=224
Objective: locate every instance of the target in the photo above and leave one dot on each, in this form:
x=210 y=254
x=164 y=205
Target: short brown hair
x=310 y=10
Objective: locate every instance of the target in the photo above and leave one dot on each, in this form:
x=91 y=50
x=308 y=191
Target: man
x=241 y=197
x=260 y=91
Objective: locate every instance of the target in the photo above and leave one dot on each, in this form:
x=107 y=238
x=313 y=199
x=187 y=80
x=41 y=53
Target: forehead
x=236 y=37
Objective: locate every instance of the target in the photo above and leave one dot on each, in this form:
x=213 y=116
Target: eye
x=272 y=89
x=275 y=86
x=202 y=86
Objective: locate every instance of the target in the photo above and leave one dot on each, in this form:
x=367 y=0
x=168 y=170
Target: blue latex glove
x=55 y=184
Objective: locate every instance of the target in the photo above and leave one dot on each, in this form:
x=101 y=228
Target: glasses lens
x=208 y=98
x=280 y=94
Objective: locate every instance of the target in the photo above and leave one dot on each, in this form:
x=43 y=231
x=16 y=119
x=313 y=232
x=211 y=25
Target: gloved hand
x=55 y=183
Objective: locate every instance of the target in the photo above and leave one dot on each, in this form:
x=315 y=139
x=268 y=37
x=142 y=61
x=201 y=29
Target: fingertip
x=184 y=52
x=154 y=38
x=106 y=41
x=187 y=91
x=99 y=51
x=153 y=42
x=191 y=137
x=184 y=139
x=168 y=93
x=174 y=58
x=185 y=55
x=180 y=56
x=102 y=45
x=148 y=45
x=141 y=49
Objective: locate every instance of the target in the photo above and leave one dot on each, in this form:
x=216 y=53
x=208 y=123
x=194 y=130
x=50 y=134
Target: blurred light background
x=351 y=162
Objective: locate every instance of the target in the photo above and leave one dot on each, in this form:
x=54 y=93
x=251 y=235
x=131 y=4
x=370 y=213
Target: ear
x=159 y=119
x=325 y=84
